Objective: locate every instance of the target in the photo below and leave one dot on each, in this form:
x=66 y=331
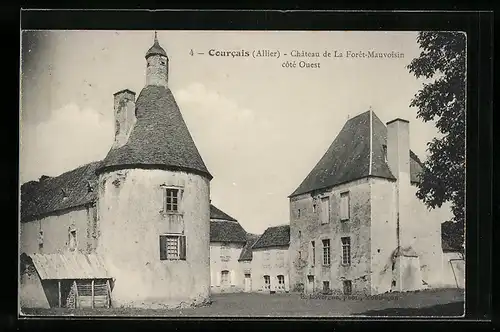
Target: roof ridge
x=355 y=153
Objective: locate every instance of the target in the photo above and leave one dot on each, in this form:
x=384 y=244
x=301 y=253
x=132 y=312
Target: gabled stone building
x=270 y=263
x=227 y=240
x=356 y=225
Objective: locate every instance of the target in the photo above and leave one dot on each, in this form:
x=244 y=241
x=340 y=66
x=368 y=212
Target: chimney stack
x=398 y=159
x=124 y=104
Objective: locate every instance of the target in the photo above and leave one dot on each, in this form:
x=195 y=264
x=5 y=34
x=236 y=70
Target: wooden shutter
x=182 y=248
x=232 y=274
x=344 y=206
x=163 y=247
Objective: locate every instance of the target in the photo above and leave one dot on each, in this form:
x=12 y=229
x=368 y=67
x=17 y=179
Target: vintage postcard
x=242 y=173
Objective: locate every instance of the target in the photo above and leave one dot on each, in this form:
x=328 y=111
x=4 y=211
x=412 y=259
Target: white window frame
x=281 y=281
x=165 y=191
x=267 y=285
x=346 y=250
x=327 y=252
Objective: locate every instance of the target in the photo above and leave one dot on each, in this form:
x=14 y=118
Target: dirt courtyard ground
x=445 y=302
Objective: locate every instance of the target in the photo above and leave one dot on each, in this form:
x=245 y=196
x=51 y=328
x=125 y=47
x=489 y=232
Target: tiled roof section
x=348 y=157
x=70 y=266
x=71 y=189
x=215 y=213
x=246 y=252
x=276 y=236
x=160 y=138
x=226 y=231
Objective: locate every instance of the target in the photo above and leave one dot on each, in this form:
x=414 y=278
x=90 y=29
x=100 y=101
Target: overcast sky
x=259 y=127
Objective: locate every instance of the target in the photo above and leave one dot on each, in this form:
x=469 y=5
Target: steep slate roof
x=224 y=228
x=226 y=231
x=246 y=252
x=348 y=157
x=39 y=198
x=160 y=137
x=215 y=213
x=276 y=236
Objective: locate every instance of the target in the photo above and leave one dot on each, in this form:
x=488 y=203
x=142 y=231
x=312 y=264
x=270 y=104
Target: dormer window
x=90 y=187
x=384 y=147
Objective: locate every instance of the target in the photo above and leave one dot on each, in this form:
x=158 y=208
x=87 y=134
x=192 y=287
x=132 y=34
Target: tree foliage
x=443 y=61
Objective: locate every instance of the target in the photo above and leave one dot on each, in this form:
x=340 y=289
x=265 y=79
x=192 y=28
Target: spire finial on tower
x=156 y=49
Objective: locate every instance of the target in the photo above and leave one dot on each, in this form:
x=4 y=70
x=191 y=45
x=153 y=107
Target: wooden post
x=59 y=292
x=92 y=285
x=109 y=293
x=76 y=294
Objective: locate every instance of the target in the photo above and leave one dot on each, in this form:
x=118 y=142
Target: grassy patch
x=443 y=302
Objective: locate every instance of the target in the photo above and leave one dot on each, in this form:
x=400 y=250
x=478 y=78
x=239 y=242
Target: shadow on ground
x=450 y=309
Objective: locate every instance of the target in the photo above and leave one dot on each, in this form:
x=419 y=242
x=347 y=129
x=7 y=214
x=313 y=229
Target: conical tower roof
x=160 y=137
x=156 y=49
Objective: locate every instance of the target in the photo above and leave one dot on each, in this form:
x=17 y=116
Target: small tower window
x=171 y=202
x=72 y=240
x=384 y=147
x=163 y=62
x=172 y=197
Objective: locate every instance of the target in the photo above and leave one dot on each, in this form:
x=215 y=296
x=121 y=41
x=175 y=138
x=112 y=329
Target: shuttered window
x=344 y=206
x=325 y=210
x=172 y=247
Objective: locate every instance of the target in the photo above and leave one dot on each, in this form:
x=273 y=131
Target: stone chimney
x=398 y=159
x=125 y=119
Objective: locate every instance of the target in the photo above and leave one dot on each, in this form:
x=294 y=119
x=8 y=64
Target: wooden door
x=248 y=283
x=310 y=284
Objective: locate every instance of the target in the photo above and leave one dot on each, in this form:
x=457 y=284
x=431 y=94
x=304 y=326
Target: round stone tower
x=154 y=205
